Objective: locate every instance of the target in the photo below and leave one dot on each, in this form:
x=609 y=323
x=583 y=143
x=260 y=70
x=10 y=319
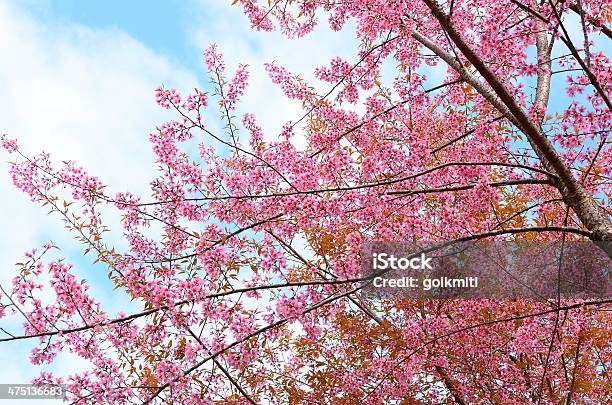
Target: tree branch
x=592 y=20
x=590 y=214
x=469 y=186
x=590 y=75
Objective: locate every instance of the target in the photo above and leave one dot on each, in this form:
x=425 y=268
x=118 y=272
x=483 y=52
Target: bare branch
x=575 y=7
x=470 y=186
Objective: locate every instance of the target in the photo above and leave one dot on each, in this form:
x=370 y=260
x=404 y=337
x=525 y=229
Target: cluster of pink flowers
x=167 y=97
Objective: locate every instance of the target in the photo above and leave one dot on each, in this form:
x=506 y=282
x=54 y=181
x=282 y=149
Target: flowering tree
x=249 y=293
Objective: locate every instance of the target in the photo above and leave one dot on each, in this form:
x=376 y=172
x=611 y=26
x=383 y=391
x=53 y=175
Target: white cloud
x=81 y=94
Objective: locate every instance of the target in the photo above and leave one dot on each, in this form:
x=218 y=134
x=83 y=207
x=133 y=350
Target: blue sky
x=161 y=25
